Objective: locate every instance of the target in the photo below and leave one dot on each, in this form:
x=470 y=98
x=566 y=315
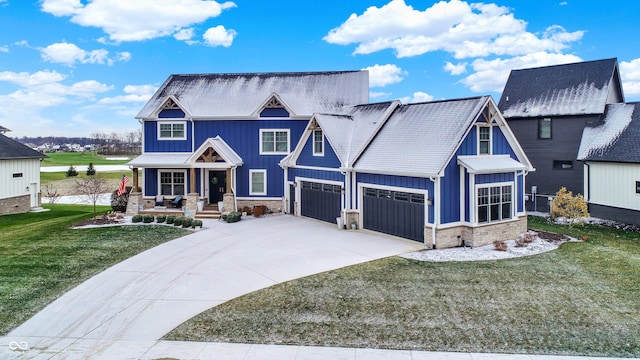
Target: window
x=484 y=140
x=172 y=130
x=562 y=165
x=17 y=175
x=544 y=128
x=172 y=182
x=494 y=204
x=274 y=141
x=318 y=143
x=637 y=187
x=258 y=182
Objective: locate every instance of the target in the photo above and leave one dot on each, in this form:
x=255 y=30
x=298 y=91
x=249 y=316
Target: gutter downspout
x=436 y=209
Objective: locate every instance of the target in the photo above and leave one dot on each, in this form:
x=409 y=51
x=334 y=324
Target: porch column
x=135 y=180
x=228 y=181
x=192 y=182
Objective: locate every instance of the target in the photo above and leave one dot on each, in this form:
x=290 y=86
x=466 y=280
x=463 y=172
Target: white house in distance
x=19 y=176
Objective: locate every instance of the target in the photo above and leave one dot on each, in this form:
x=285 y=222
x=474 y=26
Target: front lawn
x=41 y=258
x=582 y=299
x=78 y=158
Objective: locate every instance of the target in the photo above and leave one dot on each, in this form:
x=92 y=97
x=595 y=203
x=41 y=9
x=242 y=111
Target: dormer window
x=274 y=108
x=318 y=143
x=484 y=140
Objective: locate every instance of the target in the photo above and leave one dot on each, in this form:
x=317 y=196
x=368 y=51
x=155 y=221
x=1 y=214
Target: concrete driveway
x=123 y=311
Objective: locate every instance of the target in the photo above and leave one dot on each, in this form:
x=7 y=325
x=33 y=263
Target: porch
x=208 y=212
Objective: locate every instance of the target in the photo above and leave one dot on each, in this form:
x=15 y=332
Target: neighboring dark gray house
x=547 y=109
x=19 y=176
x=611 y=154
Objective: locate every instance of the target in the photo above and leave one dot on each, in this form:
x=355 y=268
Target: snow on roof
x=223 y=149
x=490 y=164
x=569 y=89
x=617 y=139
x=350 y=132
x=160 y=160
x=419 y=139
x=228 y=95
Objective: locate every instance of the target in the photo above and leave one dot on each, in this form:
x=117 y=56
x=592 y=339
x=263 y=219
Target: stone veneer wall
x=478 y=236
x=15 y=205
x=274 y=205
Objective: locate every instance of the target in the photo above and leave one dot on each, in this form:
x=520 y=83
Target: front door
x=217 y=186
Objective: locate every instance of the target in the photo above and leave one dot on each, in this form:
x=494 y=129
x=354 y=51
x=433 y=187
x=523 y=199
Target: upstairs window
x=274 y=142
x=484 y=140
x=318 y=143
x=562 y=165
x=174 y=130
x=544 y=128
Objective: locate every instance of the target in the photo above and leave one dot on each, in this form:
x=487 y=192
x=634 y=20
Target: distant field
x=79 y=158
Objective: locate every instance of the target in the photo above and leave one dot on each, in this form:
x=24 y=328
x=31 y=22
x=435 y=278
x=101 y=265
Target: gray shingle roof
x=617 y=139
x=569 y=89
x=352 y=130
x=419 y=139
x=11 y=149
x=230 y=95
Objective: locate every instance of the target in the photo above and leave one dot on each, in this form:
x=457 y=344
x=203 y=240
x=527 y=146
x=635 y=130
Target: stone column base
x=134 y=203
x=192 y=204
x=229 y=202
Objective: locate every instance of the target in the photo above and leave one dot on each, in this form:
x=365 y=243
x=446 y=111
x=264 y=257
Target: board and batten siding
x=18 y=186
x=614 y=184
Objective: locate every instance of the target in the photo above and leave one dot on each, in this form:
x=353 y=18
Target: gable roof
x=233 y=95
x=11 y=149
x=617 y=139
x=420 y=139
x=569 y=89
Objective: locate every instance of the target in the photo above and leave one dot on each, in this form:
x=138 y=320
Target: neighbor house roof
x=11 y=149
x=419 y=139
x=569 y=89
x=233 y=95
x=617 y=139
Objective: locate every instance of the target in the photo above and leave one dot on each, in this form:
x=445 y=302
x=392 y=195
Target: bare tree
x=52 y=195
x=93 y=187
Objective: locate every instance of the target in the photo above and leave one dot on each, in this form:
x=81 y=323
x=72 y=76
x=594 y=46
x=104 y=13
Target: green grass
x=582 y=299
x=47 y=177
x=41 y=258
x=78 y=158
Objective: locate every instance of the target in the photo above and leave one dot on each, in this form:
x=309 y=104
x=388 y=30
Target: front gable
x=273 y=107
x=214 y=153
x=170 y=109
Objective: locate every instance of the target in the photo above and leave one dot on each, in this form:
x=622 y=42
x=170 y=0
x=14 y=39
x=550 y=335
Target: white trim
x=274 y=152
x=172 y=171
x=264 y=174
x=259 y=198
x=462 y=193
x=478 y=127
x=490 y=185
x=315 y=168
x=172 y=122
x=313 y=143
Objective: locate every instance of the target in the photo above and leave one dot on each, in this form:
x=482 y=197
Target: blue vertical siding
x=243 y=136
x=469 y=145
x=500 y=145
x=274 y=112
x=328 y=160
x=171 y=113
x=150 y=179
x=450 y=183
x=520 y=193
x=152 y=144
x=494 y=178
x=467 y=198
x=399 y=181
x=316 y=174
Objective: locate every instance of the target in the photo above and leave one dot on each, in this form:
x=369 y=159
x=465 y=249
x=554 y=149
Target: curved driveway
x=128 y=307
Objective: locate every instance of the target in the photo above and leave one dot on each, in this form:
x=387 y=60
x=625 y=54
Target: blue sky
x=78 y=67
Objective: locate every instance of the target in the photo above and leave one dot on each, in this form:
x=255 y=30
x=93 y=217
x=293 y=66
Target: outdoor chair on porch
x=159 y=200
x=177 y=202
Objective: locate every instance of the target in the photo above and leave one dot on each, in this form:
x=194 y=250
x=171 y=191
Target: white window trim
x=490 y=139
x=186 y=182
x=184 y=123
x=264 y=174
x=275 y=152
x=313 y=143
x=490 y=185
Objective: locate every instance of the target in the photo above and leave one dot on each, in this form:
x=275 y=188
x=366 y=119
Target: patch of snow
x=597 y=139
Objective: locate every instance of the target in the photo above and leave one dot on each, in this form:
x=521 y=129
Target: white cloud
x=134 y=94
x=68 y=54
x=184 y=34
x=455 y=69
x=219 y=36
x=137 y=20
x=630 y=74
x=382 y=75
x=416 y=98
x=4 y=49
x=462 y=29
x=491 y=75
x=378 y=94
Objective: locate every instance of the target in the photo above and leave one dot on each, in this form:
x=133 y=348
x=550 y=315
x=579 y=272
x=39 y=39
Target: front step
x=208 y=214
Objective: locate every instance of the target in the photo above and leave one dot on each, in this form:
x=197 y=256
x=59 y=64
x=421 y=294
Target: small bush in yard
x=161 y=218
x=525 y=239
x=196 y=223
x=572 y=208
x=186 y=222
x=178 y=221
x=148 y=218
x=136 y=218
x=500 y=245
x=171 y=219
x=233 y=216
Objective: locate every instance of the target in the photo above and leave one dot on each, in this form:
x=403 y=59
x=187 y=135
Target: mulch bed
x=550 y=236
x=99 y=220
